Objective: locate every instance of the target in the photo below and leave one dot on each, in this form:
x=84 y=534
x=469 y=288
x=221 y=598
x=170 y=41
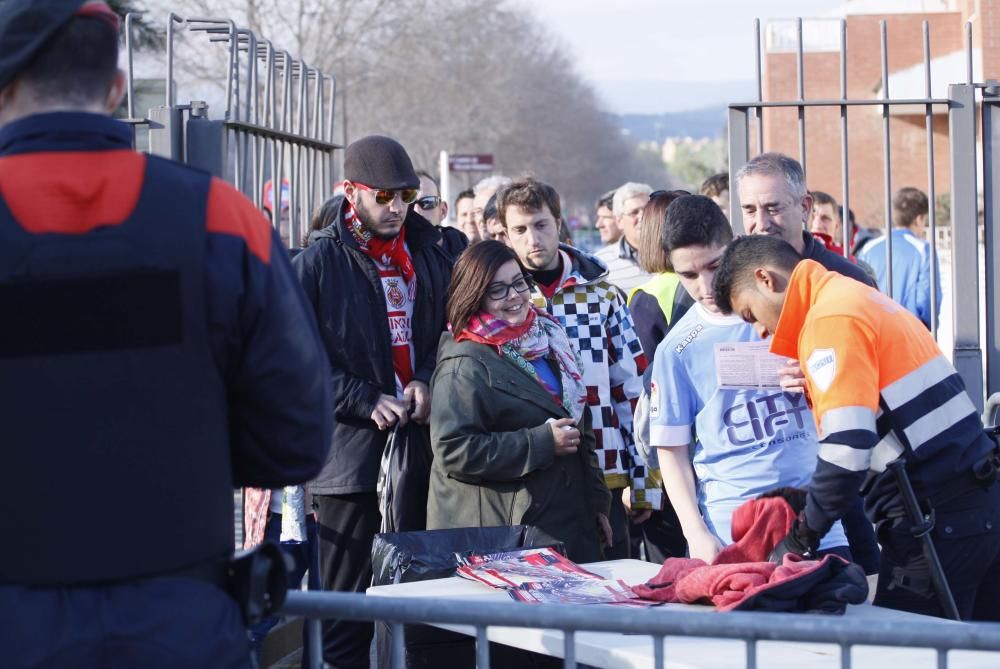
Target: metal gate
x=276 y=126
x=746 y=123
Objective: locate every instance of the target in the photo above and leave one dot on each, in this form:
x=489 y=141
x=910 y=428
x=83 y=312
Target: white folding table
x=622 y=651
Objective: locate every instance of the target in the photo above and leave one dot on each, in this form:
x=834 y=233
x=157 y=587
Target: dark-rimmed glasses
x=499 y=290
x=384 y=196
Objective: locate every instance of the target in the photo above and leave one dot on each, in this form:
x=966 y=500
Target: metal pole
x=444 y=169
x=760 y=88
x=482 y=649
x=886 y=156
x=991 y=203
x=739 y=151
x=800 y=77
x=967 y=355
x=931 y=195
x=846 y=231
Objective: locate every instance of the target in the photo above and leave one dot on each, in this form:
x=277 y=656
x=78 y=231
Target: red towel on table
x=741 y=577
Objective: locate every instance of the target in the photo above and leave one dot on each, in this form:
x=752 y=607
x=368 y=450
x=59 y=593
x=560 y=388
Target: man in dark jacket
x=378 y=281
x=156 y=351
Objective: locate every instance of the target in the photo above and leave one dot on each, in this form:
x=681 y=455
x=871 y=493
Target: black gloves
x=799 y=540
x=796 y=497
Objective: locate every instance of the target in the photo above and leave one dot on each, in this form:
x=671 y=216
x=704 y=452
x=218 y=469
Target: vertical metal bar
x=231 y=71
x=967 y=356
x=751 y=653
x=968 y=53
x=315 y=626
x=129 y=73
x=739 y=151
x=991 y=204
x=800 y=80
x=171 y=97
x=398 y=646
x=931 y=195
x=844 y=172
x=569 y=649
x=942 y=658
x=886 y=156
x=482 y=649
x=658 y=652
x=760 y=87
x=845 y=656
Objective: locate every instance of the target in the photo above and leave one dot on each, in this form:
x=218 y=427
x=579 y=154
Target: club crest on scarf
x=388 y=252
x=539 y=336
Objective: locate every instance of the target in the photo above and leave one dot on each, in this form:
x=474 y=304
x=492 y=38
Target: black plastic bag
x=405 y=557
x=404 y=479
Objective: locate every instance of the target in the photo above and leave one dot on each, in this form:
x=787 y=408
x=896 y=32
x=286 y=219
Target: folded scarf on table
x=740 y=578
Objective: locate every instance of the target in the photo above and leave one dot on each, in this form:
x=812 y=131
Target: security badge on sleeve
x=822 y=367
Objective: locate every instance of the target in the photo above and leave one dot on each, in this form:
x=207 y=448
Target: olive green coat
x=494 y=453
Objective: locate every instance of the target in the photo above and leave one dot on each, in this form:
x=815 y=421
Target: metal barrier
x=967 y=355
x=277 y=125
x=749 y=627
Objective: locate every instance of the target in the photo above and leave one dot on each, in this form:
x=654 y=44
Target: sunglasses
x=429 y=202
x=384 y=197
x=500 y=290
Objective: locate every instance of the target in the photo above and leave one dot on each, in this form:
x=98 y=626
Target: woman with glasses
x=511 y=438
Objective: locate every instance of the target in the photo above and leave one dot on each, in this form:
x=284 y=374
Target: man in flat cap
x=156 y=352
x=378 y=281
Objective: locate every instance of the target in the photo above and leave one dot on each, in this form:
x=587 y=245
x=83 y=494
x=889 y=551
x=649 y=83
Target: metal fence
x=276 y=125
x=749 y=627
x=746 y=121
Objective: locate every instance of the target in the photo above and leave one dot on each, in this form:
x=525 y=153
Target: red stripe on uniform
x=71 y=192
x=229 y=213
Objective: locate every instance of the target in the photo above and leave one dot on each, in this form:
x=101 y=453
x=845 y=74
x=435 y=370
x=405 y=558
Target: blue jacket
x=911 y=272
x=156 y=352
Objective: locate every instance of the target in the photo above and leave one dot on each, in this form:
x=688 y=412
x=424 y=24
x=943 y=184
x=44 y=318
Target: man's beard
x=365 y=216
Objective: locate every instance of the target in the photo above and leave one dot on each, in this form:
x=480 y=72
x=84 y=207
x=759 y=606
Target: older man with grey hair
x=622 y=258
x=775 y=202
x=484 y=190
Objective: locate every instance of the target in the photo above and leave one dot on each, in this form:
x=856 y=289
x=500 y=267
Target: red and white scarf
x=389 y=252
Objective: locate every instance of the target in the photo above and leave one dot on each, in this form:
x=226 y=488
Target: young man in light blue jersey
x=746 y=442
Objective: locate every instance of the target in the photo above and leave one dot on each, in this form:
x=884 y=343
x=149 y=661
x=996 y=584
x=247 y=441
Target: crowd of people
x=579 y=393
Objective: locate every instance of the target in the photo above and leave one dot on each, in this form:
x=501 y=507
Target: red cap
x=99 y=10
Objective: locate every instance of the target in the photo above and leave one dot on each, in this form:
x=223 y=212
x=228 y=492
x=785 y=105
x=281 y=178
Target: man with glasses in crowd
x=377 y=280
x=430 y=205
x=622 y=259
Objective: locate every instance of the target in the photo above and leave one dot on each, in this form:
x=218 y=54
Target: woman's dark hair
x=653 y=257
x=472 y=274
x=323 y=217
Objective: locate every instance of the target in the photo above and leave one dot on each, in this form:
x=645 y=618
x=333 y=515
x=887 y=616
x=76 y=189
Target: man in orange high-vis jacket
x=880 y=390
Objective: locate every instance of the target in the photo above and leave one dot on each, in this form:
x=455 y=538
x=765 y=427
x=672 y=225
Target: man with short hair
x=484 y=190
x=882 y=392
x=775 y=202
x=746 y=442
x=911 y=256
x=573 y=287
x=463 y=216
x=716 y=187
x=156 y=353
x=622 y=258
x=606 y=223
x=430 y=205
x=378 y=282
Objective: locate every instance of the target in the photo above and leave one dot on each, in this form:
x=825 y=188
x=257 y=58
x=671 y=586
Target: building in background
x=822 y=80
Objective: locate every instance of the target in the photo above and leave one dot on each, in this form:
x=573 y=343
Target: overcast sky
x=628 y=49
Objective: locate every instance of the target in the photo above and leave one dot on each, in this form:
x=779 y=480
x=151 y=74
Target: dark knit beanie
x=379 y=162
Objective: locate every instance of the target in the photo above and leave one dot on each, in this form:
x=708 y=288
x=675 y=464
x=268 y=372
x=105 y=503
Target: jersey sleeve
x=840 y=361
x=672 y=405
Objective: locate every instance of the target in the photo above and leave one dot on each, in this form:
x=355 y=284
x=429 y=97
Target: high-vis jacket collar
x=799 y=297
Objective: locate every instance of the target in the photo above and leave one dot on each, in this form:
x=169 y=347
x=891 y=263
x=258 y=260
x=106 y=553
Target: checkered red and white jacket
x=599 y=325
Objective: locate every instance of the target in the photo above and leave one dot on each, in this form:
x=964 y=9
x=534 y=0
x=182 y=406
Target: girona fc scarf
x=389 y=252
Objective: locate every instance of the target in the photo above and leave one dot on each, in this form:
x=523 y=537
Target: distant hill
x=709 y=122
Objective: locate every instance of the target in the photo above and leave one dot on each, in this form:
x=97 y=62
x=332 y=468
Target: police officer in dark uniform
x=156 y=351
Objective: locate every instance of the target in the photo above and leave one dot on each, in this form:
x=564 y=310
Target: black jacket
x=813 y=249
x=342 y=283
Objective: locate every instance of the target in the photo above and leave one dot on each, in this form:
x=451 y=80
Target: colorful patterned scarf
x=539 y=336
x=389 y=252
